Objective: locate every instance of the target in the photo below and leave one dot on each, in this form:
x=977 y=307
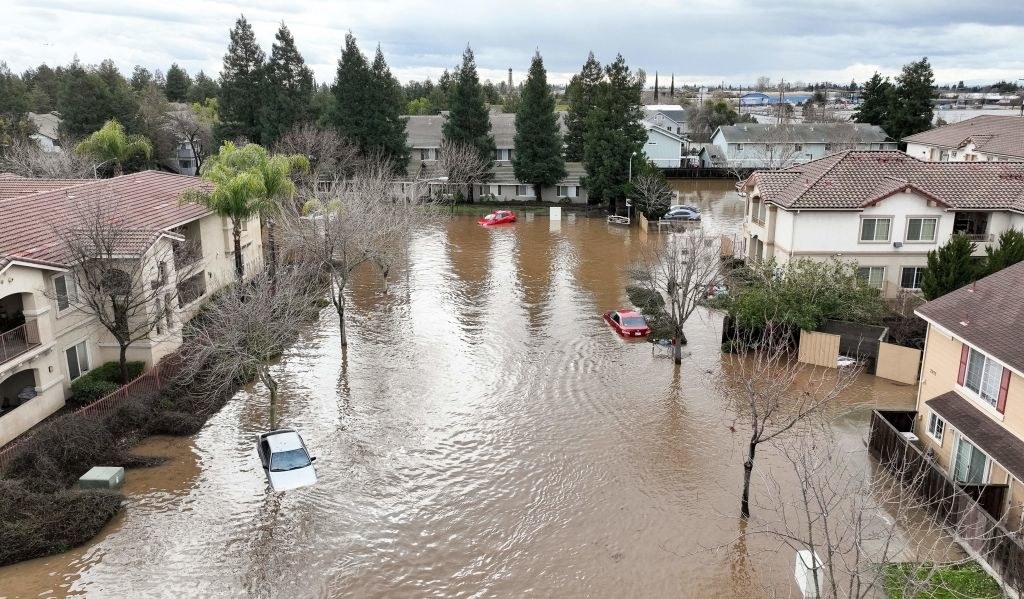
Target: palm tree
x=111 y=144
x=246 y=183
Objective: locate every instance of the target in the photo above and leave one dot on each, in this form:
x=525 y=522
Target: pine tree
x=655 y=87
x=352 y=96
x=672 y=89
x=289 y=89
x=202 y=88
x=14 y=103
x=537 y=157
x=614 y=134
x=949 y=268
x=242 y=84
x=874 y=101
x=469 y=121
x=1009 y=251
x=141 y=78
x=88 y=99
x=388 y=126
x=178 y=84
x=580 y=96
x=911 y=109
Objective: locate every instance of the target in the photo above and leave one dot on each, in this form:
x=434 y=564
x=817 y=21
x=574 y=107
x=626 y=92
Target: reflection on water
x=485 y=434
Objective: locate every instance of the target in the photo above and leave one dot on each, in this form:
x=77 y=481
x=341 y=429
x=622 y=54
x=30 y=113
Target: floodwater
x=485 y=435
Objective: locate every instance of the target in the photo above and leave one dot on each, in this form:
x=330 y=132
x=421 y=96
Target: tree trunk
x=236 y=234
x=272 y=386
x=748 y=468
x=469 y=193
x=340 y=305
x=539 y=191
x=271 y=250
x=118 y=169
x=124 y=364
x=677 y=351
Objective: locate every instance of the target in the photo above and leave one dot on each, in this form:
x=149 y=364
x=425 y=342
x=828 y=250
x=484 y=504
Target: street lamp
x=631 y=165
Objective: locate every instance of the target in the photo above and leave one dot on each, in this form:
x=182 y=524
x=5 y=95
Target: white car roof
x=284 y=441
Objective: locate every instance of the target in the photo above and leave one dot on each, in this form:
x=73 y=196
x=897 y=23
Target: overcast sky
x=701 y=41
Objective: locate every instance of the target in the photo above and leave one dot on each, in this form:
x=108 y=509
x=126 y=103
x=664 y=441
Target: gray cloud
x=698 y=40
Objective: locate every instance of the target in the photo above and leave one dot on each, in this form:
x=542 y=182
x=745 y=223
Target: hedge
x=102 y=381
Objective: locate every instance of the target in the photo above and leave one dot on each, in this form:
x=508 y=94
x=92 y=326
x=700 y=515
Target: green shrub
x=86 y=390
x=111 y=371
x=565 y=201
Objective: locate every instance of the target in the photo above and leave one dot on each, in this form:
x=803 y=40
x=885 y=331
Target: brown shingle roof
x=12 y=186
x=994 y=134
x=996 y=441
x=853 y=179
x=993 y=311
x=147 y=202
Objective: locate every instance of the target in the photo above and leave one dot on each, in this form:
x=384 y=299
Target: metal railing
x=19 y=340
x=981 y=237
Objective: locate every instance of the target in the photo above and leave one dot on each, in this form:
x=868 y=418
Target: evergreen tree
x=288 y=100
x=44 y=87
x=178 y=84
x=1009 y=251
x=141 y=78
x=949 y=268
x=874 y=101
x=122 y=102
x=580 y=97
x=387 y=125
x=910 y=108
x=537 y=157
x=203 y=87
x=655 y=87
x=352 y=96
x=614 y=134
x=672 y=88
x=86 y=100
x=14 y=103
x=469 y=121
x=242 y=84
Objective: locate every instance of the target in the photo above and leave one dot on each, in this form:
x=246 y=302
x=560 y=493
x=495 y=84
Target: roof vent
x=966 y=321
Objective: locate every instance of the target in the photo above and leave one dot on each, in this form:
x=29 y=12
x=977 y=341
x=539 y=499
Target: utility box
x=102 y=477
x=808 y=565
x=555 y=213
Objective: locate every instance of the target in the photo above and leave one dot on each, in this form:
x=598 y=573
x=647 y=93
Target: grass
x=928 y=581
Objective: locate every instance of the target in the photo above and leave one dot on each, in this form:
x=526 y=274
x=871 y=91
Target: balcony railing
x=980 y=237
x=757 y=221
x=185 y=256
x=19 y=340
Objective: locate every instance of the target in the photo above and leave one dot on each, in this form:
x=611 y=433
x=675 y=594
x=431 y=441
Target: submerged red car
x=628 y=323
x=498 y=217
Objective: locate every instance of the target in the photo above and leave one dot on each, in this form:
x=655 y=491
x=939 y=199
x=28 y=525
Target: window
x=875 y=229
x=910 y=277
x=798 y=147
x=503 y=154
x=983 y=377
x=828 y=147
x=936 y=426
x=67 y=291
x=168 y=312
x=184 y=164
x=159 y=319
x=524 y=190
x=970 y=463
x=873 y=276
x=739 y=147
x=425 y=154
x=78 y=360
x=566 y=191
x=161 y=270
x=921 y=229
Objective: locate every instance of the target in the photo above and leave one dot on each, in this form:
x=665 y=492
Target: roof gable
x=994 y=134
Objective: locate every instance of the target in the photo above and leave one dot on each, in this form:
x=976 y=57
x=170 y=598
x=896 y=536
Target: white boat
x=739 y=189
x=618 y=220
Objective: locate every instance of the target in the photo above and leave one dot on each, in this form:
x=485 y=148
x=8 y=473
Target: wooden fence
x=966 y=510
x=819 y=349
x=898 y=363
x=151 y=381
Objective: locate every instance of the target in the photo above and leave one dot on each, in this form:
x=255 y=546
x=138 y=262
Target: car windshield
x=289 y=460
x=634 y=321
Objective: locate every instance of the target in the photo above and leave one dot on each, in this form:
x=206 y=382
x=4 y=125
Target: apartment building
x=984 y=138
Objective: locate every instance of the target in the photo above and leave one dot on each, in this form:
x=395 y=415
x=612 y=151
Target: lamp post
x=631 y=166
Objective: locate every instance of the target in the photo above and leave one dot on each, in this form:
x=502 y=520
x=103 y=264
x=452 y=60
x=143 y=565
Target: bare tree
x=764 y=83
x=461 y=164
x=330 y=155
x=126 y=277
x=24 y=157
x=775 y=393
x=245 y=328
x=652 y=192
x=188 y=125
x=673 y=278
x=776 y=147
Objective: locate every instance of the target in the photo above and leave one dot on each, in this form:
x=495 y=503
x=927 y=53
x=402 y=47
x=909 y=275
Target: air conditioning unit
x=897 y=244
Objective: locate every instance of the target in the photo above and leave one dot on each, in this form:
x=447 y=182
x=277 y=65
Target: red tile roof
x=853 y=179
x=148 y=203
x=992 y=134
x=988 y=314
x=12 y=186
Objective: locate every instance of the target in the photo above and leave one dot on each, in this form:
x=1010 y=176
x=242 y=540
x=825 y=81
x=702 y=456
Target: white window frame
x=987 y=363
x=567 y=191
x=860 y=229
x=529 y=188
x=916 y=275
x=936 y=427
x=867 y=279
x=986 y=471
x=78 y=358
x=935 y=230
x=70 y=291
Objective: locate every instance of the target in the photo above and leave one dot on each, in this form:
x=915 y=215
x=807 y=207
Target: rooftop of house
x=12 y=186
x=994 y=134
x=855 y=179
x=148 y=204
x=992 y=438
x=424 y=131
x=46 y=123
x=673 y=111
x=987 y=314
x=808 y=133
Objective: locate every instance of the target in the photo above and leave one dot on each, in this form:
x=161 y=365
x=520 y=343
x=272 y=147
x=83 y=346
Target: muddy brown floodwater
x=485 y=435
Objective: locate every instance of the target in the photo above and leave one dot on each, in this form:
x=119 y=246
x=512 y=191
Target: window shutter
x=964 y=353
x=1004 y=385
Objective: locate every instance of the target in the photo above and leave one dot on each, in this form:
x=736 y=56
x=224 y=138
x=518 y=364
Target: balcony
x=977 y=237
x=187 y=254
x=19 y=340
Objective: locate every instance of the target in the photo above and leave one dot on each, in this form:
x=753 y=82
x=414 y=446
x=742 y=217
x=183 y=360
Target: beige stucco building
x=970 y=405
x=46 y=339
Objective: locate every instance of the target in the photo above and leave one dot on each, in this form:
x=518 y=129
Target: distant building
x=668 y=117
x=985 y=138
x=667 y=131
x=755 y=99
x=760 y=145
x=47 y=125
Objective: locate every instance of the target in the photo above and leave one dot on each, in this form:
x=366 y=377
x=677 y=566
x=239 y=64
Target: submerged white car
x=285 y=460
